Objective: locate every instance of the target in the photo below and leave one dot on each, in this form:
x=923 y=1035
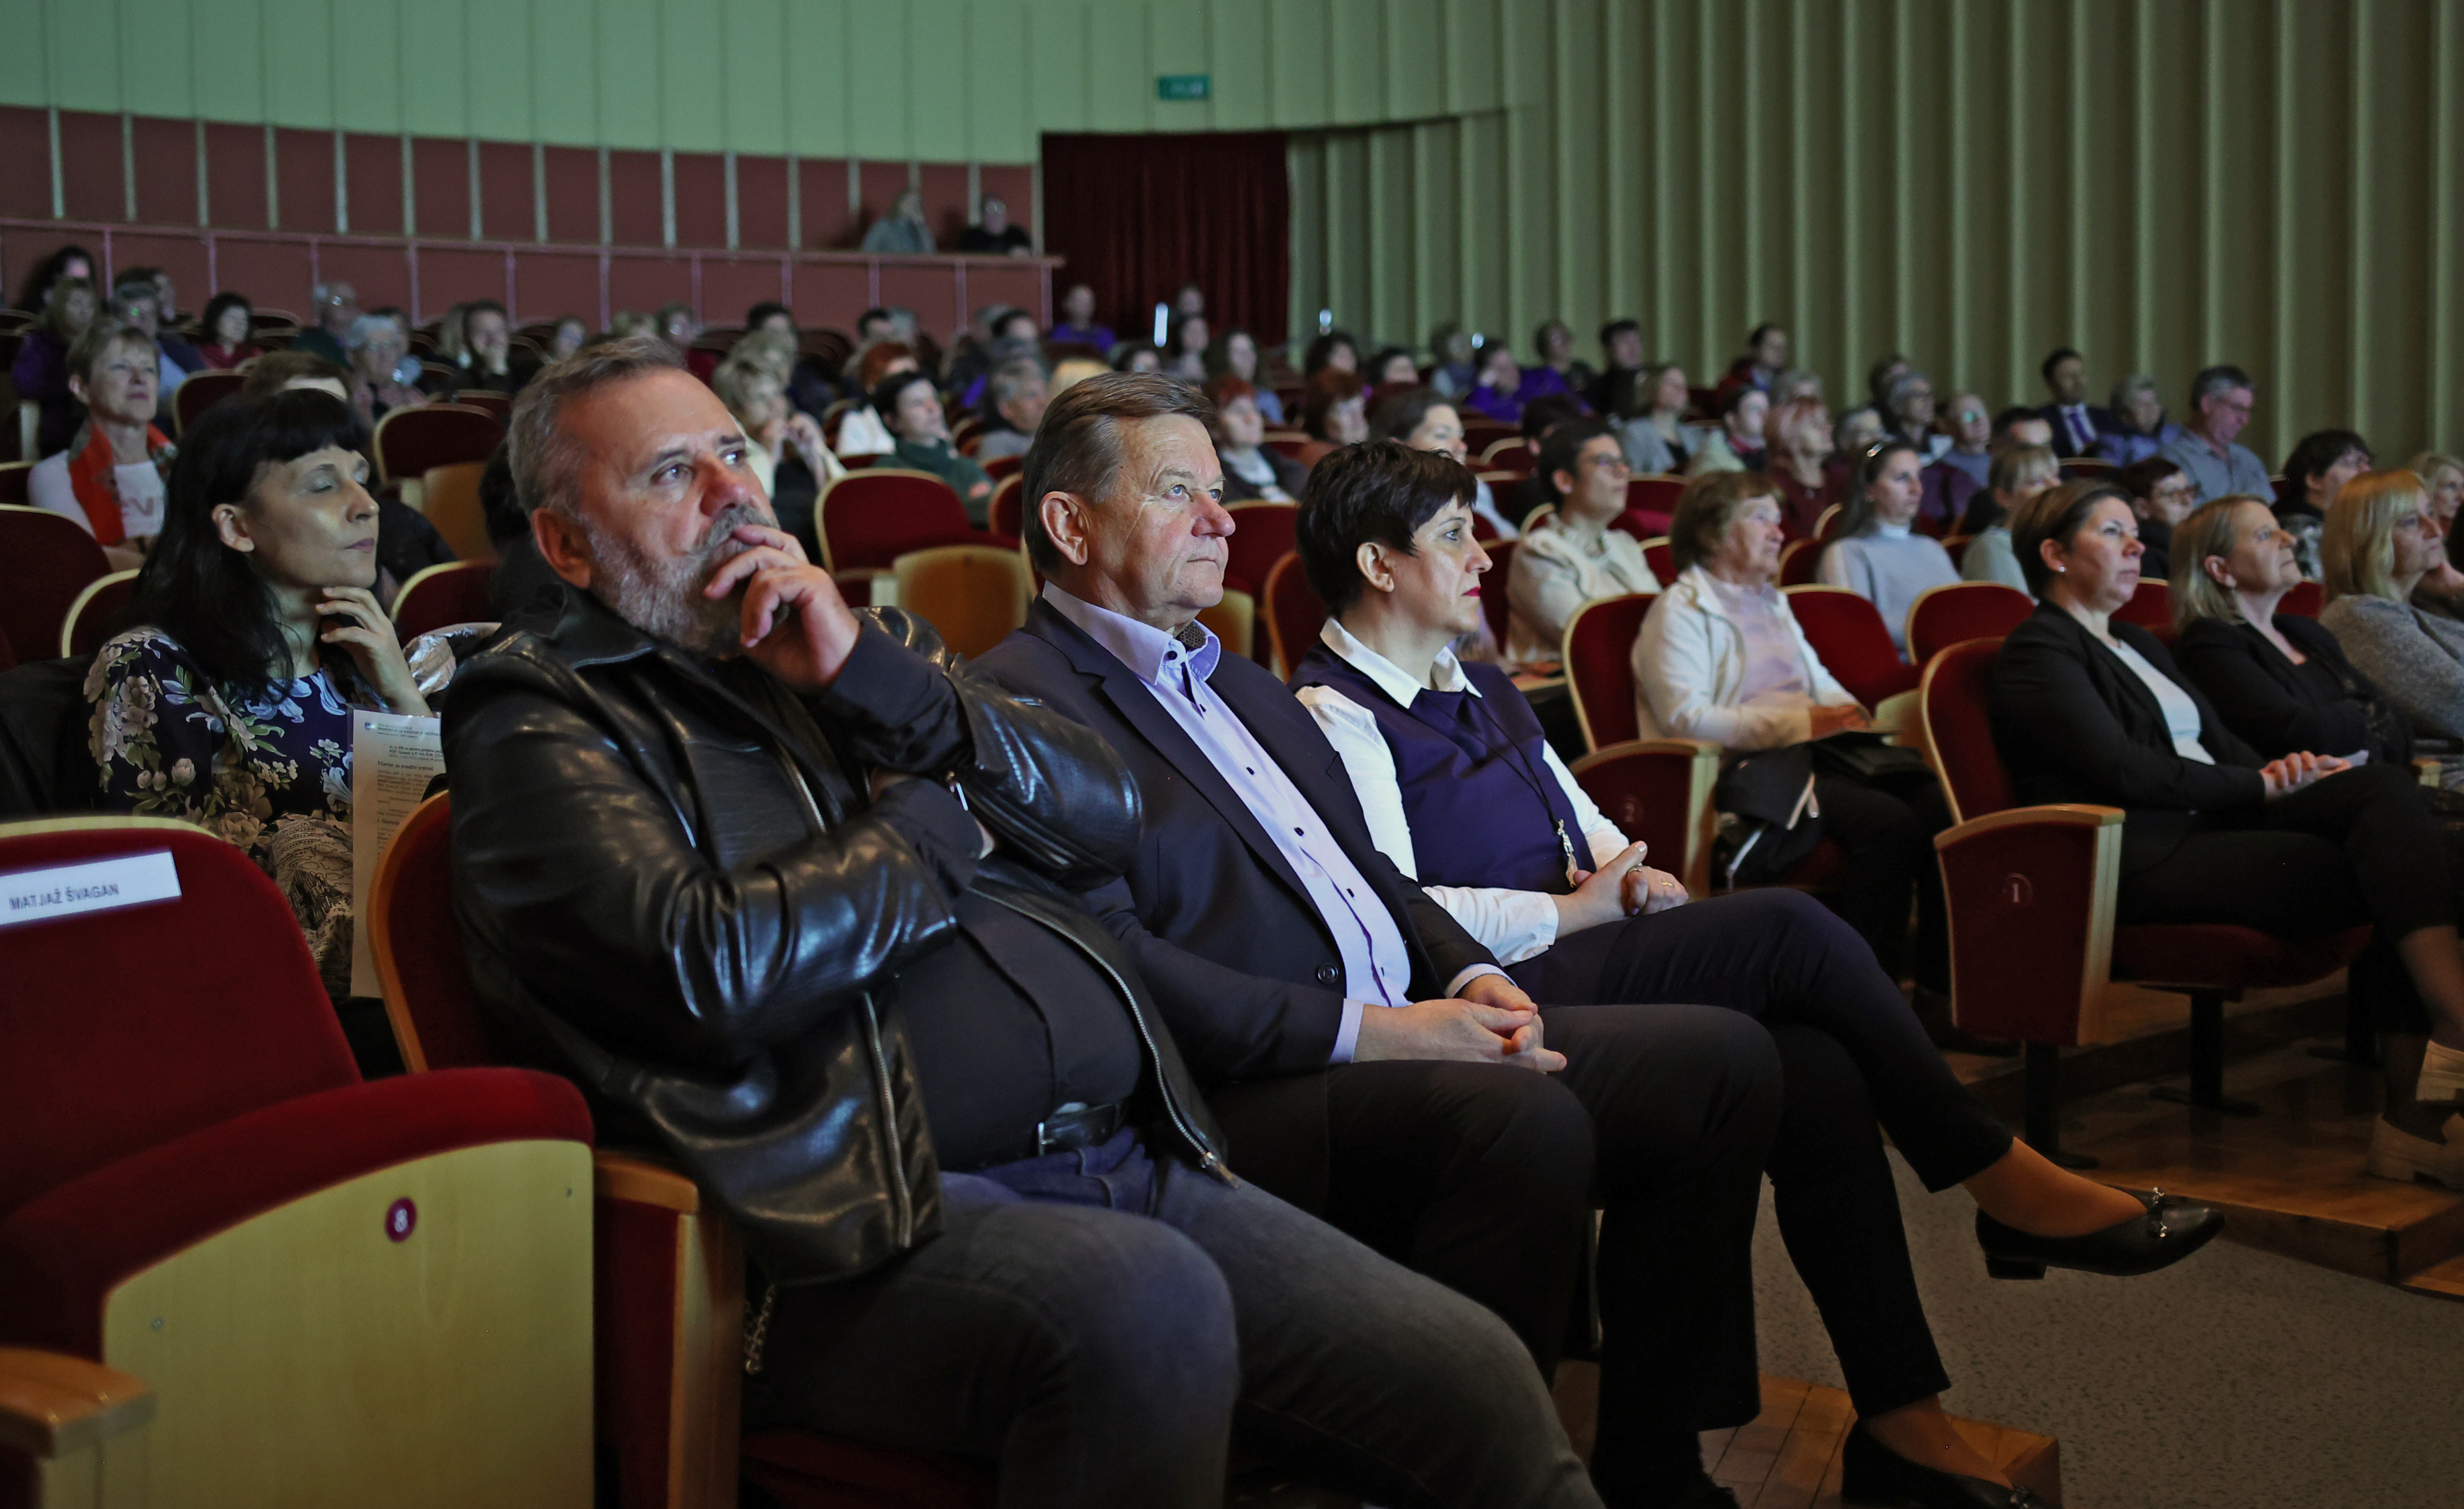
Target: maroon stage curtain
x=1137 y=216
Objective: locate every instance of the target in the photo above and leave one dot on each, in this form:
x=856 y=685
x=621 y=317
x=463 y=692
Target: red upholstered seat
x=1847 y=634
x=2076 y=469
x=408 y=441
x=2305 y=601
x=1008 y=511
x=1657 y=553
x=871 y=519
x=1501 y=451
x=45 y=562
x=1799 y=560
x=1943 y=616
x=1826 y=524
x=1294 y=615
x=1654 y=493
x=1493 y=604
x=17 y=482
x=1955 y=546
x=2150 y=607
x=1000 y=467
x=200 y=392
x=658 y=1404
x=1599 y=666
x=453 y=592
x=1261 y=534
x=488 y=402
x=2031 y=894
x=96 y=613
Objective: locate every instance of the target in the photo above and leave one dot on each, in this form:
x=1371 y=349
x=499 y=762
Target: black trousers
x=1888 y=828
x=1851 y=1053
x=2354 y=849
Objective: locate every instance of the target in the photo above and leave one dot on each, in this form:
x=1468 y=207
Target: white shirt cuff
x=1454 y=987
x=1346 y=1037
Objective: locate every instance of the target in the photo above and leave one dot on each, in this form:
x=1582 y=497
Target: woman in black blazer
x=2280 y=681
x=2086 y=709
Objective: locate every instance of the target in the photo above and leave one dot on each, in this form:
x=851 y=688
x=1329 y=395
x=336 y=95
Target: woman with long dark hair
x=254 y=633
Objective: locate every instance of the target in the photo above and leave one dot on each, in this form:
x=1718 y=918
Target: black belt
x=1066 y=1131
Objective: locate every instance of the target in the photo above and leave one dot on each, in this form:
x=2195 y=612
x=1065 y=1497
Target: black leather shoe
x=2172 y=1229
x=1871 y=1473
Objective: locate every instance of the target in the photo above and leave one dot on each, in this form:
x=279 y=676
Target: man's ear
x=562 y=545
x=1564 y=481
x=1065 y=517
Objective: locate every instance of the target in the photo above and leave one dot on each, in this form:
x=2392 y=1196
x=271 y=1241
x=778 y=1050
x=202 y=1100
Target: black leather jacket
x=673 y=890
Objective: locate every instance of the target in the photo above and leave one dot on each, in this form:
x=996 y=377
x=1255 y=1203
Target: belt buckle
x=1045 y=1141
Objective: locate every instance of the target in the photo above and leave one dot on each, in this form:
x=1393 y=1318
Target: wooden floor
x=1789 y=1456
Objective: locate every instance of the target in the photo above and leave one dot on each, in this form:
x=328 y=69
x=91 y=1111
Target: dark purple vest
x=1482 y=804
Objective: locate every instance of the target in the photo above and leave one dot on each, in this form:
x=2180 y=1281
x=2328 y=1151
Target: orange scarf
x=97 y=485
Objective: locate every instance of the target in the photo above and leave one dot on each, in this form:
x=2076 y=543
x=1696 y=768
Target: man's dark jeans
x=1101 y=1326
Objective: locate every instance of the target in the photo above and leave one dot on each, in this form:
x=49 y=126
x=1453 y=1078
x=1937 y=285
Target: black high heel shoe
x=1871 y=1473
x=2172 y=1229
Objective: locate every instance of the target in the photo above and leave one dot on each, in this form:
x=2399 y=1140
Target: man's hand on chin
x=795 y=625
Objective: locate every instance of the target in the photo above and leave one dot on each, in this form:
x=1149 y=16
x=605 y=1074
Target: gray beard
x=663 y=597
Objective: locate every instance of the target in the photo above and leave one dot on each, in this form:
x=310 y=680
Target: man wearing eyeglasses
x=337 y=307
x=2220 y=399
x=1578 y=557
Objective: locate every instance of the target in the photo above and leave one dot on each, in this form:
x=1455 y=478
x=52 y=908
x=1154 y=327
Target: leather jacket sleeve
x=1050 y=789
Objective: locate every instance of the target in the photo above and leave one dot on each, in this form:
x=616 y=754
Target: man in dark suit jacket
x=2077 y=425
x=1366 y=1056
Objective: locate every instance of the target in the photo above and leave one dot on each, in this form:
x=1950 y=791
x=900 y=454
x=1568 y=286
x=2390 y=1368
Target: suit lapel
x=1129 y=697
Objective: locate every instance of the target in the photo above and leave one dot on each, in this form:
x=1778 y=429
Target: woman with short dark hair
x=228 y=331
x=1424 y=420
x=2087 y=709
x=1461 y=791
x=1251 y=472
x=254 y=634
x=41 y=370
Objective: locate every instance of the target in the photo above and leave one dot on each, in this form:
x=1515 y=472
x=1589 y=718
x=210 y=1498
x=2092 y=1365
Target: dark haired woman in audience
x=1877 y=554
x=255 y=634
x=1463 y=792
x=1393 y=367
x=1334 y=349
x=69 y=261
x=1720 y=658
x=1801 y=465
x=1630 y=402
x=229 y=327
x=1738 y=443
x=2015 y=474
x=1334 y=413
x=2089 y=710
x=1496 y=391
x=1186 y=360
x=1252 y=472
x=2319 y=466
x=1138 y=356
x=1236 y=355
x=41 y=370
x=2163 y=495
x=1422 y=418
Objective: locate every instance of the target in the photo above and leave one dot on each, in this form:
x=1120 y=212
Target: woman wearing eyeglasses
x=1577 y=557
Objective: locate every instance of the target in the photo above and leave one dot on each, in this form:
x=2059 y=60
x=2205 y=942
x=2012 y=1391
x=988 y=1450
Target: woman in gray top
x=1878 y=554
x=2378 y=542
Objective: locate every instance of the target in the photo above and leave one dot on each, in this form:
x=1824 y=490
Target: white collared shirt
x=1515 y=925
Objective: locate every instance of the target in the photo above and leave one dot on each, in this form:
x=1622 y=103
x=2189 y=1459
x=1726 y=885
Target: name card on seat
x=67 y=890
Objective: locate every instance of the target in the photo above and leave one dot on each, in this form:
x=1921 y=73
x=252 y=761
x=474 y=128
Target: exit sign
x=1183 y=86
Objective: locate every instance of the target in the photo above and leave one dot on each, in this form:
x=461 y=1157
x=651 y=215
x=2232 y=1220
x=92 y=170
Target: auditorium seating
x=1008 y=511
x=1599 y=646
x=1943 y=616
x=1848 y=635
x=1261 y=534
x=1799 y=560
x=408 y=441
x=200 y=392
x=2031 y=892
x=2305 y=601
x=96 y=613
x=1657 y=790
x=1495 y=605
x=15 y=478
x=972 y=595
x=1654 y=493
x=328 y=1290
x=2150 y=607
x=1657 y=555
x=45 y=562
x=871 y=519
x=668 y=1279
x=453 y=592
x=450 y=498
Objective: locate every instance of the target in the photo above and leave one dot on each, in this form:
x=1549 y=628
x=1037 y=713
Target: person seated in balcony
x=902 y=231
x=228 y=328
x=254 y=633
x=1422 y=418
x=1801 y=465
x=2163 y=495
x=383 y=374
x=1236 y=355
x=988 y=1213
x=2019 y=472
x=1720 y=658
x=1577 y=557
x=996 y=234
x=109 y=479
x=2087 y=709
x=1014 y=400
x=1737 y=443
x=1461 y=791
x=1334 y=413
x=785 y=448
x=913 y=407
x=1252 y=471
x=1877 y=552
x=41 y=370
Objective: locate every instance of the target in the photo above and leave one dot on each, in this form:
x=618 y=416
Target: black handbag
x=1769 y=818
x=1862 y=755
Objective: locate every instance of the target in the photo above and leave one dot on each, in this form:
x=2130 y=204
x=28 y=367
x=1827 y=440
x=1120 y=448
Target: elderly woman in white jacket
x=1722 y=658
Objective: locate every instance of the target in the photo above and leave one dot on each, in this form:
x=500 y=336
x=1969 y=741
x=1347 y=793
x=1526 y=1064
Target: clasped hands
x=1491 y=1022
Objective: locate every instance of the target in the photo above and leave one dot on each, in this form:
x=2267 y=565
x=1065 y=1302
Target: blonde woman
x=2017 y=474
x=787 y=453
x=2377 y=544
x=2442 y=590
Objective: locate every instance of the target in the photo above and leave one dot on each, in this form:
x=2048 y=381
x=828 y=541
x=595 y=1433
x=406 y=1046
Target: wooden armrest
x=2030 y=893
x=641 y=1181
x=52 y=1404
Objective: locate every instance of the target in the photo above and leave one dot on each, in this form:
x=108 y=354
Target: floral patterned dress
x=270 y=772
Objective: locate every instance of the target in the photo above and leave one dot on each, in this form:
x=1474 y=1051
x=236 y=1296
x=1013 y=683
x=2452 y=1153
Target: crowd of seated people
x=1058 y=880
